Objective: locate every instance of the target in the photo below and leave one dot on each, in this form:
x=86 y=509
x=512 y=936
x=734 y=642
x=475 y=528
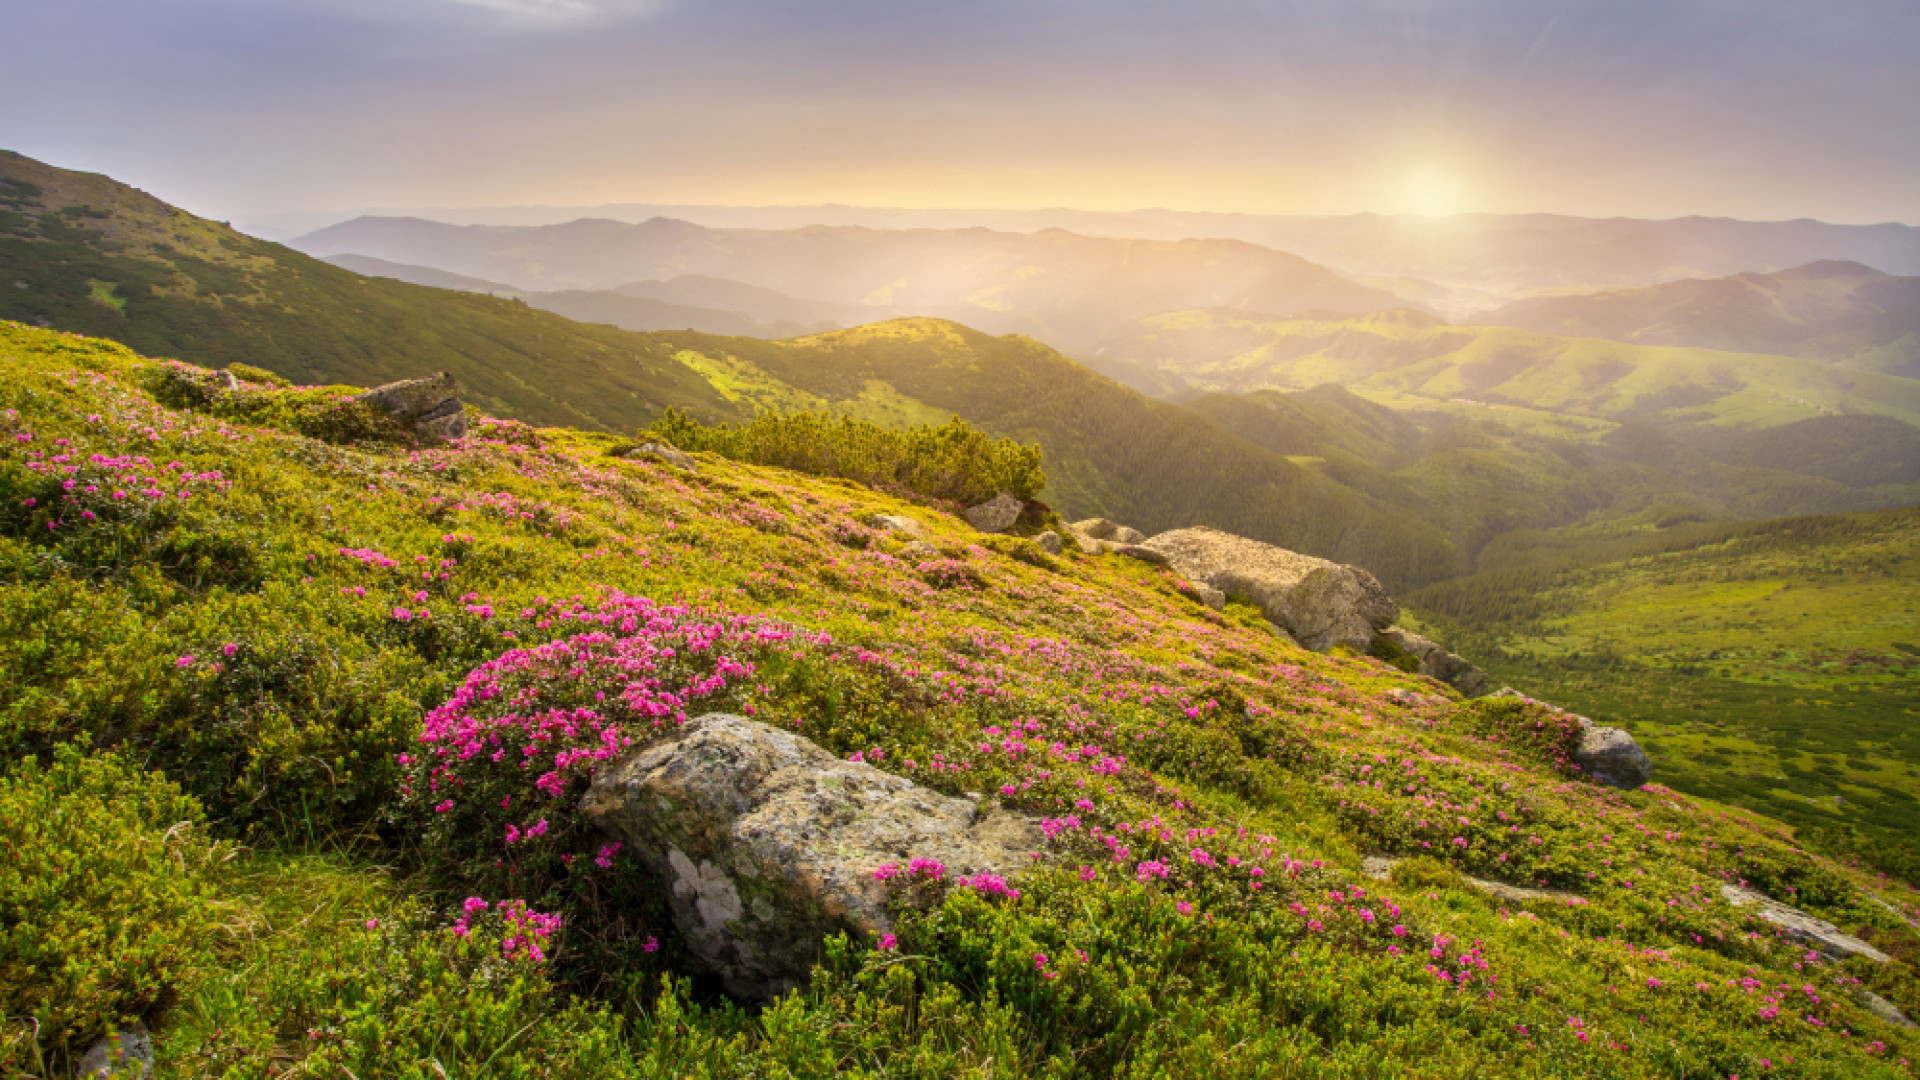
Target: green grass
x=1771 y=664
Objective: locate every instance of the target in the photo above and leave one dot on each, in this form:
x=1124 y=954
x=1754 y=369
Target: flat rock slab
x=1816 y=934
x=1320 y=603
x=1380 y=867
x=770 y=843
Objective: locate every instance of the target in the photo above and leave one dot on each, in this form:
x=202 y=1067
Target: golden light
x=1431 y=191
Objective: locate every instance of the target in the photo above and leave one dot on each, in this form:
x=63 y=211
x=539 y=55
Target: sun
x=1431 y=191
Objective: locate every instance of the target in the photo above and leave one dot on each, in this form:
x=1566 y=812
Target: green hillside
x=223 y=814
x=1773 y=664
x=1838 y=311
x=1109 y=449
x=85 y=254
x=1409 y=360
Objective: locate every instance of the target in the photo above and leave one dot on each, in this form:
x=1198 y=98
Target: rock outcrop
x=770 y=843
x=1320 y=603
x=1816 y=934
x=666 y=452
x=996 y=515
x=431 y=408
x=1436 y=662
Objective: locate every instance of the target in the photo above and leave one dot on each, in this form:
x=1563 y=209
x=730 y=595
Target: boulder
x=1611 y=756
x=666 y=452
x=1208 y=595
x=1102 y=529
x=899 y=523
x=431 y=408
x=770 y=843
x=1050 y=542
x=1320 y=603
x=1436 y=662
x=1087 y=544
x=1884 y=1009
x=126 y=1054
x=1816 y=934
x=996 y=515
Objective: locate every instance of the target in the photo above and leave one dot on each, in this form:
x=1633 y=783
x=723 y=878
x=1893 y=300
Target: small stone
x=919 y=549
x=1144 y=554
x=672 y=455
x=1050 y=542
x=996 y=515
x=126 y=1054
x=1884 y=1009
x=899 y=523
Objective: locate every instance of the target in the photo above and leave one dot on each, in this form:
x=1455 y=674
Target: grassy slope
x=1110 y=450
x=1398 y=355
x=1774 y=664
x=85 y=254
x=118 y=627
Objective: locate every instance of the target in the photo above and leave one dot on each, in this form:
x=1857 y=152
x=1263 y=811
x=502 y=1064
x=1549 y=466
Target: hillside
x=1776 y=664
x=318 y=640
x=86 y=254
x=1403 y=355
x=1059 y=287
x=1837 y=311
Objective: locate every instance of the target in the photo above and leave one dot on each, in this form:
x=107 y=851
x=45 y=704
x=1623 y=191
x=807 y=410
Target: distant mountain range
x=1060 y=287
x=1838 y=311
x=1456 y=265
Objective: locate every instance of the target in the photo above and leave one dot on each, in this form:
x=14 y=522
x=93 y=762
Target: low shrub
x=106 y=895
x=952 y=462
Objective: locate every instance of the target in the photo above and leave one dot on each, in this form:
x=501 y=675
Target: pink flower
x=889 y=943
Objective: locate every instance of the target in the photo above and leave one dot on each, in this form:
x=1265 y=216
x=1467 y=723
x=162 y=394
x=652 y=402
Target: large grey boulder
x=1320 y=603
x=1436 y=662
x=770 y=843
x=431 y=408
x=1611 y=756
x=1817 y=934
x=996 y=515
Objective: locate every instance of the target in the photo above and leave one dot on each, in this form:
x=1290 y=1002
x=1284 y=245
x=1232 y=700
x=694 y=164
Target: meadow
x=238 y=632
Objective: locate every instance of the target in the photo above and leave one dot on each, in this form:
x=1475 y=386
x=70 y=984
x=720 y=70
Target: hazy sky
x=1746 y=108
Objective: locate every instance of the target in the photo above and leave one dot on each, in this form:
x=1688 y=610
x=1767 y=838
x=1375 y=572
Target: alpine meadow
x=583 y=539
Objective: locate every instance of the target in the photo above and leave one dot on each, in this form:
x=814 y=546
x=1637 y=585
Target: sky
x=1759 y=109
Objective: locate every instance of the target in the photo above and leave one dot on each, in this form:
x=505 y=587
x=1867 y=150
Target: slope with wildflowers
x=388 y=672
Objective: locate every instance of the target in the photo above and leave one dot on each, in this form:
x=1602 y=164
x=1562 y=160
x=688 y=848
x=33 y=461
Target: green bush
x=951 y=462
x=105 y=894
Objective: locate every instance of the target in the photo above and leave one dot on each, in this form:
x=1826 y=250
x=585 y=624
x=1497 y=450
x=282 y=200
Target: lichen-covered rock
x=431 y=408
x=770 y=843
x=126 y=1054
x=672 y=455
x=1817 y=934
x=900 y=523
x=1087 y=544
x=1436 y=662
x=997 y=514
x=1884 y=1009
x=1610 y=756
x=1321 y=603
x=1050 y=542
